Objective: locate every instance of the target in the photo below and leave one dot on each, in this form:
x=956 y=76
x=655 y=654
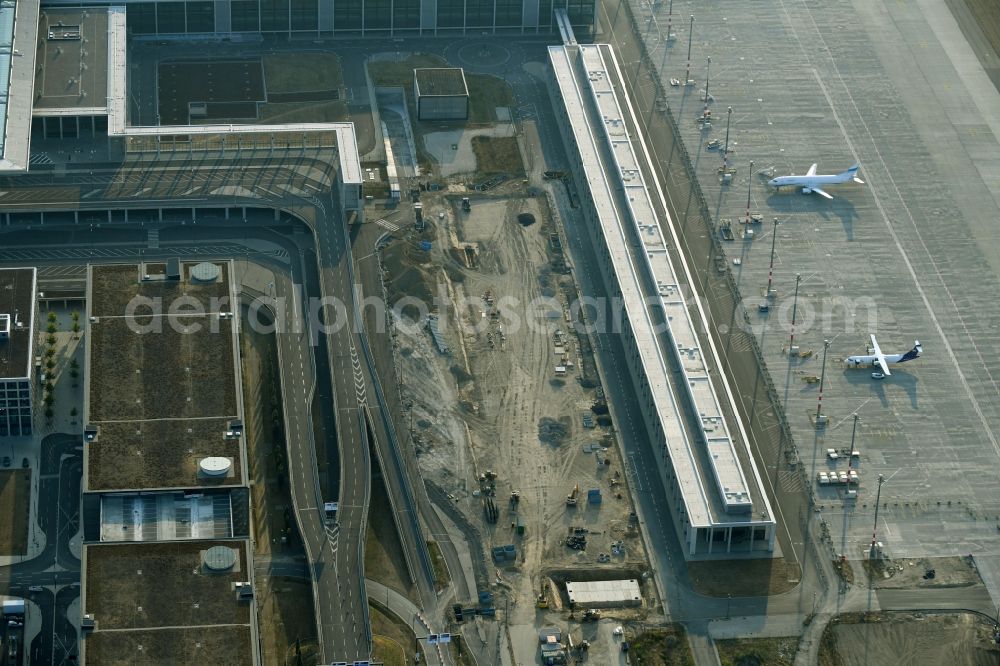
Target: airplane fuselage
x=812 y=182
x=809 y=182
x=865 y=360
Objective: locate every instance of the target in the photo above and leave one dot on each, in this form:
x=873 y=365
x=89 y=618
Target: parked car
x=6 y=461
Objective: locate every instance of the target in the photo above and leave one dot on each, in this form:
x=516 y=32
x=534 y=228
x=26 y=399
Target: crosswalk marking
x=386 y=224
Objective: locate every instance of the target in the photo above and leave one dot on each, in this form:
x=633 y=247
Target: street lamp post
x=725 y=149
x=749 y=183
x=670 y=15
x=795 y=304
x=854 y=431
x=708 y=67
x=878 y=497
x=687 y=72
x=822 y=380
x=770 y=270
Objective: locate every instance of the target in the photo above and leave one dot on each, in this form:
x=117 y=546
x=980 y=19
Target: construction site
x=506 y=405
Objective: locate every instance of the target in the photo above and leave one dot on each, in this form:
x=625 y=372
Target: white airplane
x=883 y=360
x=811 y=182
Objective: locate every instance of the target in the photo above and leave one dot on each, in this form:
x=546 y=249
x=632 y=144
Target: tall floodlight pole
x=670 y=15
x=770 y=270
x=708 y=67
x=878 y=497
x=795 y=303
x=725 y=149
x=687 y=72
x=854 y=431
x=822 y=380
x=749 y=183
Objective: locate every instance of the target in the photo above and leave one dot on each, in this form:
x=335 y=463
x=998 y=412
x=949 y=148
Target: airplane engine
x=806 y=190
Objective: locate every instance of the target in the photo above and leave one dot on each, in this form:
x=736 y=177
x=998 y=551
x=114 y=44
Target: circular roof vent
x=215 y=466
x=219 y=558
x=206 y=271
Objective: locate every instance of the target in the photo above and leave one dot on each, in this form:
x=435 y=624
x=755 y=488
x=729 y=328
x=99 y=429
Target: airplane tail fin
x=913 y=353
x=853 y=173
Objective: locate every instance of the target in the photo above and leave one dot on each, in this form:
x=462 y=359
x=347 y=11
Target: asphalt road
x=55 y=568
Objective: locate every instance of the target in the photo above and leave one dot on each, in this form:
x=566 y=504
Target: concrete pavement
x=407 y=611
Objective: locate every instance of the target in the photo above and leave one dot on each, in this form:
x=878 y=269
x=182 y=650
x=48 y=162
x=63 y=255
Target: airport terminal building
x=328 y=18
x=713 y=488
x=167 y=563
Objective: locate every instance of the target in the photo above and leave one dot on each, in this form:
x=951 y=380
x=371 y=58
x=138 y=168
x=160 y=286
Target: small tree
x=75 y=316
x=50 y=339
x=49 y=413
x=49 y=364
x=73 y=364
x=73 y=412
x=50 y=388
x=76 y=329
x=52 y=317
x=50 y=352
x=51 y=328
x=48 y=400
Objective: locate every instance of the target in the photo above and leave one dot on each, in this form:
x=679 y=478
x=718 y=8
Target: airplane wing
x=812 y=170
x=821 y=192
x=879 y=356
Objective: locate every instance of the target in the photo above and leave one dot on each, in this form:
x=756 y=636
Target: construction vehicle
x=515 y=498
x=488 y=483
x=542 y=601
x=591 y=615
x=466 y=204
x=572 y=497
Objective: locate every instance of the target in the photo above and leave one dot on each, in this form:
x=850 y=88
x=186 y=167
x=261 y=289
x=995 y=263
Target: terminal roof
x=701 y=449
x=72 y=76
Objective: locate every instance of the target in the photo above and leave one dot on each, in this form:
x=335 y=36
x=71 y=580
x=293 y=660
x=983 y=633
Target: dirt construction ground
x=909 y=638
x=496 y=402
x=911 y=573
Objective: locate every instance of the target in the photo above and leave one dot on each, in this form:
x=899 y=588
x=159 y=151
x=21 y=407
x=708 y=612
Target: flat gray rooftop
x=913 y=254
x=72 y=74
x=17 y=325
